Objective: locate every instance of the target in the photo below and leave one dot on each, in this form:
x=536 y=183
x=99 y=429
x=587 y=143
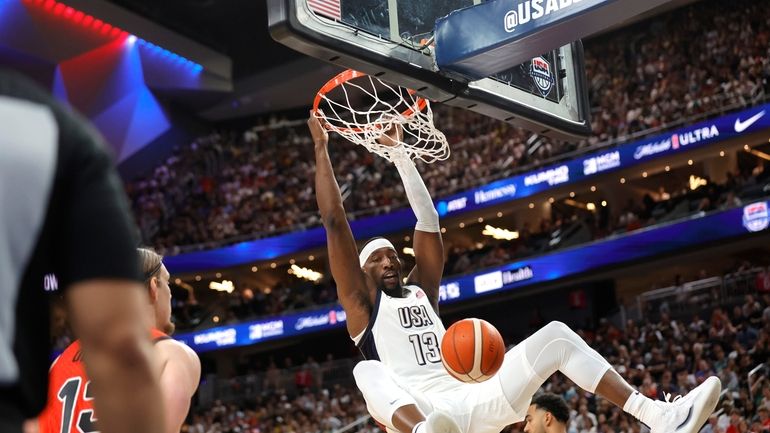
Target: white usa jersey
x=405 y=334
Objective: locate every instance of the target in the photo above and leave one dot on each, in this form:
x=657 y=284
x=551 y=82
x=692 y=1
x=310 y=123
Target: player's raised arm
x=428 y=245
x=343 y=253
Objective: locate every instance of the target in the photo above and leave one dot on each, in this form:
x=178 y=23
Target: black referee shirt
x=62 y=211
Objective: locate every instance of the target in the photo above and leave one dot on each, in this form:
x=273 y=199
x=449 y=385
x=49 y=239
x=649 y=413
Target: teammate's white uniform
x=404 y=335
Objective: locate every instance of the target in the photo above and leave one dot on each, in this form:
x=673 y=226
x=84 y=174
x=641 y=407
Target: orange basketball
x=472 y=350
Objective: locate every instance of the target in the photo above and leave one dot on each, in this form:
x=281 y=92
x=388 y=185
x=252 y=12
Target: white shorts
x=479 y=407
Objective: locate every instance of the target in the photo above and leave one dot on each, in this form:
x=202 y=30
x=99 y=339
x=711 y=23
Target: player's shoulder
x=176 y=351
x=71 y=354
x=414 y=290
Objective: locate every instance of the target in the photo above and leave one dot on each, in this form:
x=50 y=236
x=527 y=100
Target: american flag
x=327 y=8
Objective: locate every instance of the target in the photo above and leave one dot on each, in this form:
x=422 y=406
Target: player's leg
x=387 y=402
x=393 y=406
x=556 y=347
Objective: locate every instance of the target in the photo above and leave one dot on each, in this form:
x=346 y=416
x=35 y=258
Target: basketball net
x=385 y=105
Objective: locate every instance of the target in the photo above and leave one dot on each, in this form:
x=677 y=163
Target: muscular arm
x=352 y=289
x=428 y=245
x=179 y=378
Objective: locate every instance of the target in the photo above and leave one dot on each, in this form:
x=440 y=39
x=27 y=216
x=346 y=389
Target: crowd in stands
x=658 y=356
x=567 y=226
x=231 y=186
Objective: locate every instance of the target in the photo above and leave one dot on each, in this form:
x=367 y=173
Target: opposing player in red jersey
x=70 y=406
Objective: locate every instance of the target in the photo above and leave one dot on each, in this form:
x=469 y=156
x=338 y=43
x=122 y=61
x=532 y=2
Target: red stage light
x=97 y=24
x=58 y=9
x=78 y=17
x=106 y=28
x=87 y=20
x=115 y=31
x=68 y=12
x=49 y=4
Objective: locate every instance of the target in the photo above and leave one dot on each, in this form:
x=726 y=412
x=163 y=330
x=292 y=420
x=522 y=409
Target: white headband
x=372 y=247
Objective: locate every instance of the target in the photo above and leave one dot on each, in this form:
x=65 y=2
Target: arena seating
x=658 y=356
x=236 y=185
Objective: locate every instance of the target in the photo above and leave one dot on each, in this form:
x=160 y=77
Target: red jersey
x=70 y=407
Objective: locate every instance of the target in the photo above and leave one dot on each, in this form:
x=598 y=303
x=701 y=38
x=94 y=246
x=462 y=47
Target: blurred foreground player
x=398 y=330
x=70 y=401
x=63 y=211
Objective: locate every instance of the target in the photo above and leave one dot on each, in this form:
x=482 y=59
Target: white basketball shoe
x=687 y=414
x=441 y=422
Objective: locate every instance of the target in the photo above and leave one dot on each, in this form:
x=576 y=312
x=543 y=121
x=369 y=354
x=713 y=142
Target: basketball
x=472 y=350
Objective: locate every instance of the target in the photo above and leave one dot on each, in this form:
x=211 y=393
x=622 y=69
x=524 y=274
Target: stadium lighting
x=622 y=180
x=224 y=286
x=108 y=31
x=254 y=269
x=697 y=182
x=591 y=206
x=498 y=233
x=593 y=188
x=531 y=205
x=604 y=203
x=408 y=251
x=305 y=273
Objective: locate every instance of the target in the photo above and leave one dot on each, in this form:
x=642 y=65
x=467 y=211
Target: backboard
x=392 y=40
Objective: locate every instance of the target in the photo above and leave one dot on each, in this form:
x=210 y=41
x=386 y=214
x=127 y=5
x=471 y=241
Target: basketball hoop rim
x=350 y=74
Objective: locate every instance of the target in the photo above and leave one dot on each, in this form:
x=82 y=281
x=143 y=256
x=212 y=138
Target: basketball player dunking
x=70 y=407
x=398 y=331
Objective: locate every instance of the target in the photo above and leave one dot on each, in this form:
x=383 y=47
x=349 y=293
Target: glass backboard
x=392 y=39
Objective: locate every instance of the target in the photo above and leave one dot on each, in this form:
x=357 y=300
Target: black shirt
x=62 y=211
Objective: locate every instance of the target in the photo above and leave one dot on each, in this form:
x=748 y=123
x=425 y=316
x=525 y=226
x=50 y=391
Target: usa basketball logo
x=540 y=71
x=755 y=217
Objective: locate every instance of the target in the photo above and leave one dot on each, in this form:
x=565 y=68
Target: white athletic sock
x=419 y=427
x=642 y=408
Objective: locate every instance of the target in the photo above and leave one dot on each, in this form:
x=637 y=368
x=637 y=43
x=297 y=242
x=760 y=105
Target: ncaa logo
x=755 y=217
x=511 y=21
x=540 y=71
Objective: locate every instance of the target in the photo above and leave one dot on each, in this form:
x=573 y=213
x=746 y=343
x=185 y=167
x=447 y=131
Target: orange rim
x=345 y=76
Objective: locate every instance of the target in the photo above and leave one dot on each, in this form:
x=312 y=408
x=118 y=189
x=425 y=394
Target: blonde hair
x=150 y=262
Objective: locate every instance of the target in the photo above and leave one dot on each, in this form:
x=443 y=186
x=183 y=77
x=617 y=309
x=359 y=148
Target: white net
x=383 y=106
